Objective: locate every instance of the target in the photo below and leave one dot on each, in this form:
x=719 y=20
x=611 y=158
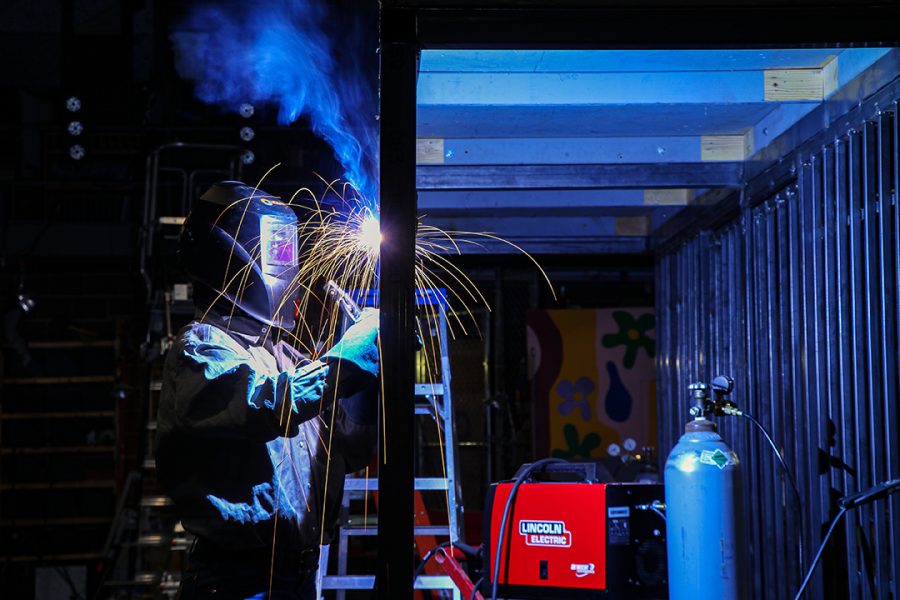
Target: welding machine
x=570 y=533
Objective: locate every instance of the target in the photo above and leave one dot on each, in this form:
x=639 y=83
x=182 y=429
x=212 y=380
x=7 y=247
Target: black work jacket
x=232 y=469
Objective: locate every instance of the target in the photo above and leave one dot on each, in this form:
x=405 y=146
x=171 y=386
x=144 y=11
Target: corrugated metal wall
x=796 y=297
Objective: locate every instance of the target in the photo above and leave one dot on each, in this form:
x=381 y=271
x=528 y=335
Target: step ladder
x=433 y=399
x=147 y=546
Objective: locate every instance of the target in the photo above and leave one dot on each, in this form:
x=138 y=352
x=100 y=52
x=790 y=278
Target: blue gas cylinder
x=703 y=516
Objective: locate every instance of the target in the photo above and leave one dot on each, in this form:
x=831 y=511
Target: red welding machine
x=570 y=536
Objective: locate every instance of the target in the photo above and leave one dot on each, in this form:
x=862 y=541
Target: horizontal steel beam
x=614 y=176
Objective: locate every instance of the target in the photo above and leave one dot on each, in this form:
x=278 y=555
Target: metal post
x=394 y=575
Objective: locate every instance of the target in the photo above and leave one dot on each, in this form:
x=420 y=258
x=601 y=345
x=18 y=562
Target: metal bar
x=861 y=461
x=809 y=200
x=395 y=562
x=872 y=346
x=750 y=226
x=887 y=286
x=612 y=176
x=892 y=401
x=772 y=401
x=835 y=570
x=845 y=340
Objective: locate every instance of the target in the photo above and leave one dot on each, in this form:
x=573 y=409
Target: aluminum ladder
x=432 y=399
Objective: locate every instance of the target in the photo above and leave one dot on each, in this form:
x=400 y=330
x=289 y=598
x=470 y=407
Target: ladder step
x=151 y=425
x=57 y=485
x=155 y=385
x=85 y=414
x=59 y=450
x=429 y=389
x=361 y=484
x=432 y=530
x=59 y=380
x=53 y=557
x=159 y=540
x=149 y=463
x=55 y=521
x=139 y=579
x=60 y=344
x=156 y=501
x=367 y=582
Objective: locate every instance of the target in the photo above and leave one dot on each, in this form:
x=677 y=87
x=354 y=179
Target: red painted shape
x=563 y=524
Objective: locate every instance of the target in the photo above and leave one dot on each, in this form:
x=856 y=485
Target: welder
x=254 y=438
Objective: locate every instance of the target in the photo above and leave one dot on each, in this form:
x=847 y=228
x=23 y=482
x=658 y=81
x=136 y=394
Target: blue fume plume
x=298 y=56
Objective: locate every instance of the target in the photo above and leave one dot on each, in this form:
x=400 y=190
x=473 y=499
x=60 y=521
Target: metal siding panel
x=778 y=518
x=860 y=409
x=835 y=567
x=846 y=420
x=797 y=299
x=887 y=286
x=809 y=433
x=873 y=349
x=819 y=399
x=892 y=420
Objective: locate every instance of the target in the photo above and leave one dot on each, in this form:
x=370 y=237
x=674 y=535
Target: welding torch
x=348 y=305
x=350 y=308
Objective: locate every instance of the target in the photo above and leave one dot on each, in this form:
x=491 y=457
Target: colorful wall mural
x=593 y=380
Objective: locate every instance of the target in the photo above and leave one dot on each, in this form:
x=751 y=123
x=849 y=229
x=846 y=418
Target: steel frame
x=406 y=27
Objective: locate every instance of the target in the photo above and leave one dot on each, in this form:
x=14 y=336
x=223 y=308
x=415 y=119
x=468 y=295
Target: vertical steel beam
x=397 y=87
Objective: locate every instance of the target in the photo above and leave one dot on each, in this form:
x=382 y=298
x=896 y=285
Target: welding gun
x=347 y=304
x=351 y=308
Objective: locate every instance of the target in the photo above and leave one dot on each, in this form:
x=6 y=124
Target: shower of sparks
x=339 y=237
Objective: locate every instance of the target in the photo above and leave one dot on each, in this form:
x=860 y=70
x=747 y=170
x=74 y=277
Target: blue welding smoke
x=299 y=56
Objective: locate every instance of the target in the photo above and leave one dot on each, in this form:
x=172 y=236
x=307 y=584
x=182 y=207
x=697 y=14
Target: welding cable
x=464 y=548
x=428 y=556
x=788 y=475
x=510 y=501
x=815 y=561
x=475 y=589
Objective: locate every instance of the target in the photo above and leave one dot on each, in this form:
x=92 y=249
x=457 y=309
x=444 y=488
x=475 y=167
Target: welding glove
x=358 y=347
x=298 y=394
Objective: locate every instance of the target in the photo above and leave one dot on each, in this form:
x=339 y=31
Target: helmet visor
x=278 y=243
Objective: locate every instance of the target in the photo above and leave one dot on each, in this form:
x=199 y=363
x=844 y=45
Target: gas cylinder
x=703 y=511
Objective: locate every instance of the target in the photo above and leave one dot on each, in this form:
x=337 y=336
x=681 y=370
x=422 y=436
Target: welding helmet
x=239 y=245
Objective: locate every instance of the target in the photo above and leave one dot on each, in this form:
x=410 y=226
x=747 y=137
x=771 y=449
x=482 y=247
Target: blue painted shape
x=573 y=150
x=587 y=121
x=575 y=396
x=530 y=89
x=586 y=61
x=618 y=401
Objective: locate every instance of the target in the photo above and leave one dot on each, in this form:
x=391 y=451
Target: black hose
x=501 y=534
x=421 y=568
x=815 y=561
x=475 y=589
x=789 y=476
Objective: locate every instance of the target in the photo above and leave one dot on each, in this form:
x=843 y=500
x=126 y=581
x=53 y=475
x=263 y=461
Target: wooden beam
x=429 y=151
x=715 y=148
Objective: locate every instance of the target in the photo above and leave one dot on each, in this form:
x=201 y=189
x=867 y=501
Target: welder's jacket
x=227 y=460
